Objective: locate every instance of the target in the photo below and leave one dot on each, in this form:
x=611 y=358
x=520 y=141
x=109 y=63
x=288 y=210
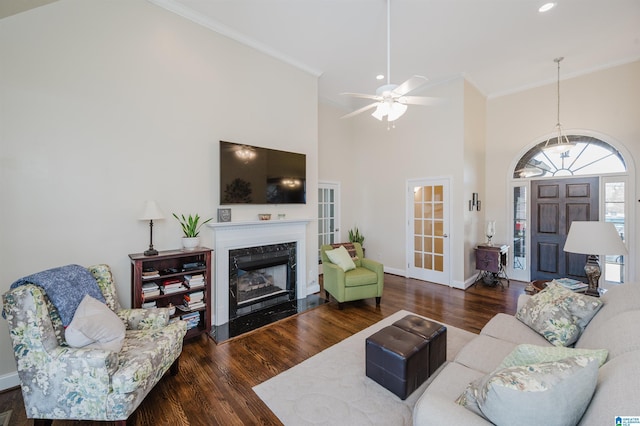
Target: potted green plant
x=191 y=229
x=355 y=236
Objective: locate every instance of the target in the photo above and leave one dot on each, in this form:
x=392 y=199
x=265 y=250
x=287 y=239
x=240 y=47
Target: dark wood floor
x=215 y=382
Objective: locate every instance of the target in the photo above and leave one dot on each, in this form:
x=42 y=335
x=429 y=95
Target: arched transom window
x=590 y=156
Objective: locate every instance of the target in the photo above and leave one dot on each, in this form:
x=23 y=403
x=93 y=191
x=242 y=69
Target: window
x=614 y=212
x=520 y=227
x=590 y=156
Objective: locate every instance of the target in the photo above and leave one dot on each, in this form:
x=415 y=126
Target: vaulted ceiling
x=500 y=46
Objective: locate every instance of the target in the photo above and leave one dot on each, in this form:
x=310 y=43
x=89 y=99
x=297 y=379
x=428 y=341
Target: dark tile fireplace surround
x=261 y=288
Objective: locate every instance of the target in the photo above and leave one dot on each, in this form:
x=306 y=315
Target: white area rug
x=331 y=388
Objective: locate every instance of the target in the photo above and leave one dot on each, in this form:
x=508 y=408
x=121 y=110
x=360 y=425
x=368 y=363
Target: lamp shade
x=151 y=211
x=594 y=237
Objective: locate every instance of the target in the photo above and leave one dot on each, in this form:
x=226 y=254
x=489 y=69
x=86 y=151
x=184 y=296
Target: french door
x=428 y=253
x=328 y=214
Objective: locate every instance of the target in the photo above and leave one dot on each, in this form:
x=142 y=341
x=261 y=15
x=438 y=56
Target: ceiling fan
x=391 y=100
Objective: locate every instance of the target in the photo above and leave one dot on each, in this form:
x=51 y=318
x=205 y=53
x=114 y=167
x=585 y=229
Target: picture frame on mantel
x=224 y=215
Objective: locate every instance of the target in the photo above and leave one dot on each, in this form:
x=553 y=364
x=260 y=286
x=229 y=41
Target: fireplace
x=261 y=277
x=260 y=303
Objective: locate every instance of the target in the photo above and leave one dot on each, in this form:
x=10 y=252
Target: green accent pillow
x=340 y=256
x=558 y=314
x=526 y=354
x=548 y=393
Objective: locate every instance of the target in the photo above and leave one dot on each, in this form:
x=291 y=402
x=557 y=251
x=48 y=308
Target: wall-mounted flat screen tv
x=255 y=175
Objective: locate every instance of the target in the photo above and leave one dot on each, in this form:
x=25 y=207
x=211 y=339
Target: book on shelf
x=172 y=290
x=151 y=293
x=570 y=283
x=149 y=273
x=194 y=281
x=194 y=297
x=149 y=305
x=151 y=285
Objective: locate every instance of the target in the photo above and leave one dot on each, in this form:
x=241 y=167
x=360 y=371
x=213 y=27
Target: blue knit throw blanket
x=65 y=286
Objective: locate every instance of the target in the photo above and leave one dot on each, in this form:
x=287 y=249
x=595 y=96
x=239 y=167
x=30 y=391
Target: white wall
x=475 y=131
x=605 y=102
x=105 y=104
x=426 y=142
x=476 y=142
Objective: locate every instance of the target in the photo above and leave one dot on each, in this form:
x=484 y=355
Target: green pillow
x=526 y=354
x=340 y=256
x=547 y=393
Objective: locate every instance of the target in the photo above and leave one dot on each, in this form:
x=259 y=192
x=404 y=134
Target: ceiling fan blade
x=409 y=86
x=421 y=100
x=358 y=111
x=362 y=95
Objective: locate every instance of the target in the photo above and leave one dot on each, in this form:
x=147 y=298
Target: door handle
x=445 y=236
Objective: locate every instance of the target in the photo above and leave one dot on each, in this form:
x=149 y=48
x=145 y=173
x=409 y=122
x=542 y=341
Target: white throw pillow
x=340 y=256
x=96 y=326
x=548 y=393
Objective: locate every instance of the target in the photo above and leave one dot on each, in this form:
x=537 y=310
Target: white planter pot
x=190 y=243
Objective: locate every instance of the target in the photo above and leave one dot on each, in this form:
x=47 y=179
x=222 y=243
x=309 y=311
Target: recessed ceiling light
x=379 y=77
x=546 y=7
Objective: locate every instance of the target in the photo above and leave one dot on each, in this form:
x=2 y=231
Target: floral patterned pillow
x=558 y=314
x=556 y=392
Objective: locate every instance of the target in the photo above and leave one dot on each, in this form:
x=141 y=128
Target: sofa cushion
x=617 y=392
x=95 y=326
x=507 y=327
x=484 y=353
x=340 y=256
x=556 y=392
x=619 y=298
x=437 y=404
x=618 y=334
x=558 y=314
x=146 y=355
x=360 y=276
x=532 y=354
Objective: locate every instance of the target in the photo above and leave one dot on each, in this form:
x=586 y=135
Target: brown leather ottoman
x=397 y=359
x=434 y=333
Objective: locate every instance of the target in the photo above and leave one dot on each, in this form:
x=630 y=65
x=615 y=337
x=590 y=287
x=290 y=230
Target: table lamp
x=151 y=212
x=594 y=238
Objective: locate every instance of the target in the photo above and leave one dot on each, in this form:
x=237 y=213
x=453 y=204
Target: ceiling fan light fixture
x=396 y=111
x=381 y=110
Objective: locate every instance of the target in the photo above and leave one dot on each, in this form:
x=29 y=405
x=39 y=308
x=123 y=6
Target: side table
x=536 y=286
x=492 y=261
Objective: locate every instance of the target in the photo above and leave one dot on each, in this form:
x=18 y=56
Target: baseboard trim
x=8 y=381
x=394 y=271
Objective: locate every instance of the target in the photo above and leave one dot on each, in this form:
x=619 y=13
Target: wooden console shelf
x=176 y=266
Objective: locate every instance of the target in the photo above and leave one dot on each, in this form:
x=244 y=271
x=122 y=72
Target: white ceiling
x=501 y=46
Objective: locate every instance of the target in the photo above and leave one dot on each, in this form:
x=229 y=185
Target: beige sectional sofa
x=615 y=327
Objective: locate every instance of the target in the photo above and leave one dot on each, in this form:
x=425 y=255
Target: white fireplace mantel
x=236 y=235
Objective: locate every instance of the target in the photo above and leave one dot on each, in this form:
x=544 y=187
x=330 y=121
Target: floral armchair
x=62 y=382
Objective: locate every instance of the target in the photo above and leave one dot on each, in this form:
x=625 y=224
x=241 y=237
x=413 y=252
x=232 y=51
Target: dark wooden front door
x=555 y=204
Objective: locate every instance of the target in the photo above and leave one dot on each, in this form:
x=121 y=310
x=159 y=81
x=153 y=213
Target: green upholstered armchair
x=366 y=280
x=63 y=382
